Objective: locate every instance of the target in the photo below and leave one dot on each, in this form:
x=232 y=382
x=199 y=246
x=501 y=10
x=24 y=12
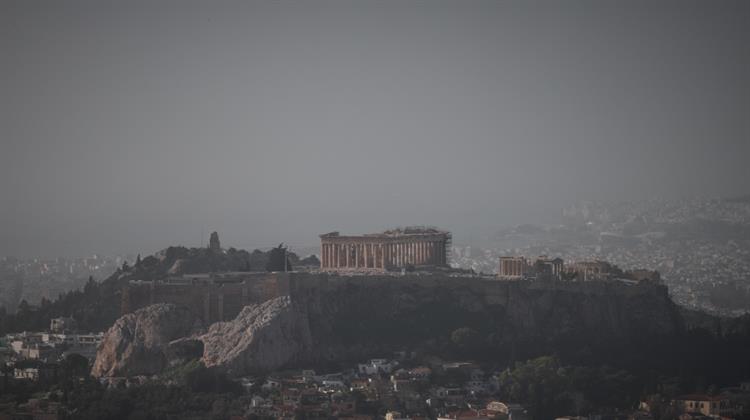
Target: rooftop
x=400 y=231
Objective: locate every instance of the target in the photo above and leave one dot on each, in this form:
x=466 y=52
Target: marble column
x=382 y=256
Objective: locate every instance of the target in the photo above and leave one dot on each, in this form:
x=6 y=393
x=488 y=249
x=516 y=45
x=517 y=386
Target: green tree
x=278 y=259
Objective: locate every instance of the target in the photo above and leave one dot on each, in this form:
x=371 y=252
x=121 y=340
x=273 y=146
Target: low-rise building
x=707 y=405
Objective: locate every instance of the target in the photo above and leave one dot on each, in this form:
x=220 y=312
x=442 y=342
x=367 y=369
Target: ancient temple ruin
x=392 y=249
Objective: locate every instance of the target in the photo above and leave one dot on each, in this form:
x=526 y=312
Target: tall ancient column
x=367 y=252
x=382 y=256
x=357 y=254
x=394 y=254
x=386 y=254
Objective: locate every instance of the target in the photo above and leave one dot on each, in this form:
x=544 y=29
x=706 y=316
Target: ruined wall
x=220 y=300
x=351 y=317
x=421 y=304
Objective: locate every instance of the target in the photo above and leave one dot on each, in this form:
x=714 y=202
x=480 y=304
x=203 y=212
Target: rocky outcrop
x=136 y=343
x=323 y=317
x=263 y=337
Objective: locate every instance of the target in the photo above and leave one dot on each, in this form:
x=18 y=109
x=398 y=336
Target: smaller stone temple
x=392 y=249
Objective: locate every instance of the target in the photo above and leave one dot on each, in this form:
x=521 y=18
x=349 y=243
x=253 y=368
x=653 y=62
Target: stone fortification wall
x=314 y=317
x=521 y=303
x=210 y=300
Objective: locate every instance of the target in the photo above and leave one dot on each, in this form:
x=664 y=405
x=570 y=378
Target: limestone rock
x=135 y=344
x=263 y=337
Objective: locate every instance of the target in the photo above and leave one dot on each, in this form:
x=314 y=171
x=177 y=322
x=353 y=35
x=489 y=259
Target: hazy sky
x=129 y=126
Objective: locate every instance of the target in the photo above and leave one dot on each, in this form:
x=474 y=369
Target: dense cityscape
x=700 y=246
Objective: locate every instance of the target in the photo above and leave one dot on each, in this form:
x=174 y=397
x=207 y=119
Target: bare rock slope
x=264 y=336
x=353 y=318
x=136 y=343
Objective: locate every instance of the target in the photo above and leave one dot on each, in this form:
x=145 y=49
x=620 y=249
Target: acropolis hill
x=416 y=256
x=373 y=294
x=352 y=316
x=221 y=296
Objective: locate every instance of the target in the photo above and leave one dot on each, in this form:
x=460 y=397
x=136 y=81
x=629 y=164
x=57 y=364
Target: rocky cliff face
x=340 y=317
x=351 y=316
x=263 y=337
x=136 y=343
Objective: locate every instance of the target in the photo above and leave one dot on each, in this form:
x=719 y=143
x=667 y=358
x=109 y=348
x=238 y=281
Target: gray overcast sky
x=128 y=126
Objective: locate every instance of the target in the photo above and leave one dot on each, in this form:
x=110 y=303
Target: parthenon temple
x=392 y=249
